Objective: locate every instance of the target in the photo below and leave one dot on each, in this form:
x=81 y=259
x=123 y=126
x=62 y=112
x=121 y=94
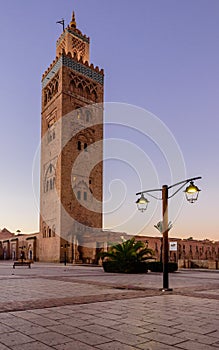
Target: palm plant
x=128 y=254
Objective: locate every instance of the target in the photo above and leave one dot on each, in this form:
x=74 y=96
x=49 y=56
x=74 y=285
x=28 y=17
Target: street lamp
x=65 y=252
x=191 y=193
x=142 y=203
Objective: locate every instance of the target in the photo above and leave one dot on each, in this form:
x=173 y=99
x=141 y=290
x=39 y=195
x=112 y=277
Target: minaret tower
x=71 y=86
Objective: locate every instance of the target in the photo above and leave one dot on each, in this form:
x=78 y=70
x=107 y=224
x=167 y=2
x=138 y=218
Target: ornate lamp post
x=191 y=193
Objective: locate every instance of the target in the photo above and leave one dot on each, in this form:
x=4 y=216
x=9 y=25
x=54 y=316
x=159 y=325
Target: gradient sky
x=160 y=55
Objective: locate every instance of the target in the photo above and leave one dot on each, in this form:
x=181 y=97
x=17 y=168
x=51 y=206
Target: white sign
x=173 y=246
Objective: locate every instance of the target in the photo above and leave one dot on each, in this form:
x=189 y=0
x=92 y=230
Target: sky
x=160 y=56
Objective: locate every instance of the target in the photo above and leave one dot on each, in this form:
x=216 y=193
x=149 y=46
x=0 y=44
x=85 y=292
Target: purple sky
x=159 y=55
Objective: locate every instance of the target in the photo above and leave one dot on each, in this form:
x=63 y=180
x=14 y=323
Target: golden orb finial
x=73 y=22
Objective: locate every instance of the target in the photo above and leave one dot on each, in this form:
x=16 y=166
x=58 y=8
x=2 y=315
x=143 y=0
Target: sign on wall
x=173 y=246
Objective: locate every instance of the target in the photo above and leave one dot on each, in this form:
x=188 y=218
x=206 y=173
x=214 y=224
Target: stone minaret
x=71 y=150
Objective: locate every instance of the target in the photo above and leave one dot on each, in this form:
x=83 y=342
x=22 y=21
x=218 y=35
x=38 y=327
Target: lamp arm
x=148 y=191
x=178 y=189
x=184 y=182
x=151 y=195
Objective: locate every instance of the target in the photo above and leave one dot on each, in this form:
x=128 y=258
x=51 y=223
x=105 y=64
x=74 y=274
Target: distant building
x=190 y=252
x=12 y=245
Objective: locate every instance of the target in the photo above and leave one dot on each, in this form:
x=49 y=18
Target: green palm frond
x=128 y=252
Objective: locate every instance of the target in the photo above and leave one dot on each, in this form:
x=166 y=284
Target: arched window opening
x=79 y=145
x=85 y=196
x=87 y=92
x=85 y=147
x=94 y=96
x=44 y=232
x=51 y=184
x=79 y=195
x=80 y=89
x=50 y=232
x=53 y=231
x=56 y=86
x=72 y=86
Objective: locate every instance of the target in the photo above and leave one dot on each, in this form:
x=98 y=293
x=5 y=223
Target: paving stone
x=114 y=345
x=75 y=322
x=5 y=329
x=163 y=338
x=74 y=345
x=64 y=329
x=162 y=329
x=126 y=338
x=130 y=329
x=90 y=338
x=29 y=329
x=153 y=345
x=4 y=347
x=97 y=329
x=14 y=338
x=214 y=334
x=197 y=337
x=192 y=345
x=33 y=346
x=42 y=321
x=51 y=338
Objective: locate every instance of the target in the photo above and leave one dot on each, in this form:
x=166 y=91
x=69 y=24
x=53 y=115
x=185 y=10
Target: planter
x=157 y=266
x=115 y=267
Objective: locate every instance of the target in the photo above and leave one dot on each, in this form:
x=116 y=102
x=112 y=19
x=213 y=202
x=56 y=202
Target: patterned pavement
x=77 y=307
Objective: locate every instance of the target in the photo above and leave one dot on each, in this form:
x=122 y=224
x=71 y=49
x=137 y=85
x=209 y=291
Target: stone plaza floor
x=52 y=306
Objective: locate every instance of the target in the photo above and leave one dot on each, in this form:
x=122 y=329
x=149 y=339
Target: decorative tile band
x=52 y=72
x=76 y=66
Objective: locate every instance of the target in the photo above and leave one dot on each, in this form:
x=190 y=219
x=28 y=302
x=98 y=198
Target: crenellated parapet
x=75 y=64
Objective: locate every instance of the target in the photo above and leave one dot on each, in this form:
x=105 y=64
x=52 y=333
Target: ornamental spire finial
x=73 y=22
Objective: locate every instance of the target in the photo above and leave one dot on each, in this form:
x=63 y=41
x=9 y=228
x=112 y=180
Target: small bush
x=116 y=267
x=157 y=266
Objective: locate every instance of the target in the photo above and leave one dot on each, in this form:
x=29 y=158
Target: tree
x=128 y=254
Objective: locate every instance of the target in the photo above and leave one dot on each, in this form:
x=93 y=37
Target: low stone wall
x=198 y=264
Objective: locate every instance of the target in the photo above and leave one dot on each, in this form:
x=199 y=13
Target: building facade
x=190 y=253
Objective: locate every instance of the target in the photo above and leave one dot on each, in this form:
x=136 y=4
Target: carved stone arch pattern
x=83 y=87
x=51 y=89
x=49 y=178
x=84 y=139
x=82 y=191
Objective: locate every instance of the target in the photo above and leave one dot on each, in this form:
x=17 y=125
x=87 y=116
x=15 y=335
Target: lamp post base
x=166 y=289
